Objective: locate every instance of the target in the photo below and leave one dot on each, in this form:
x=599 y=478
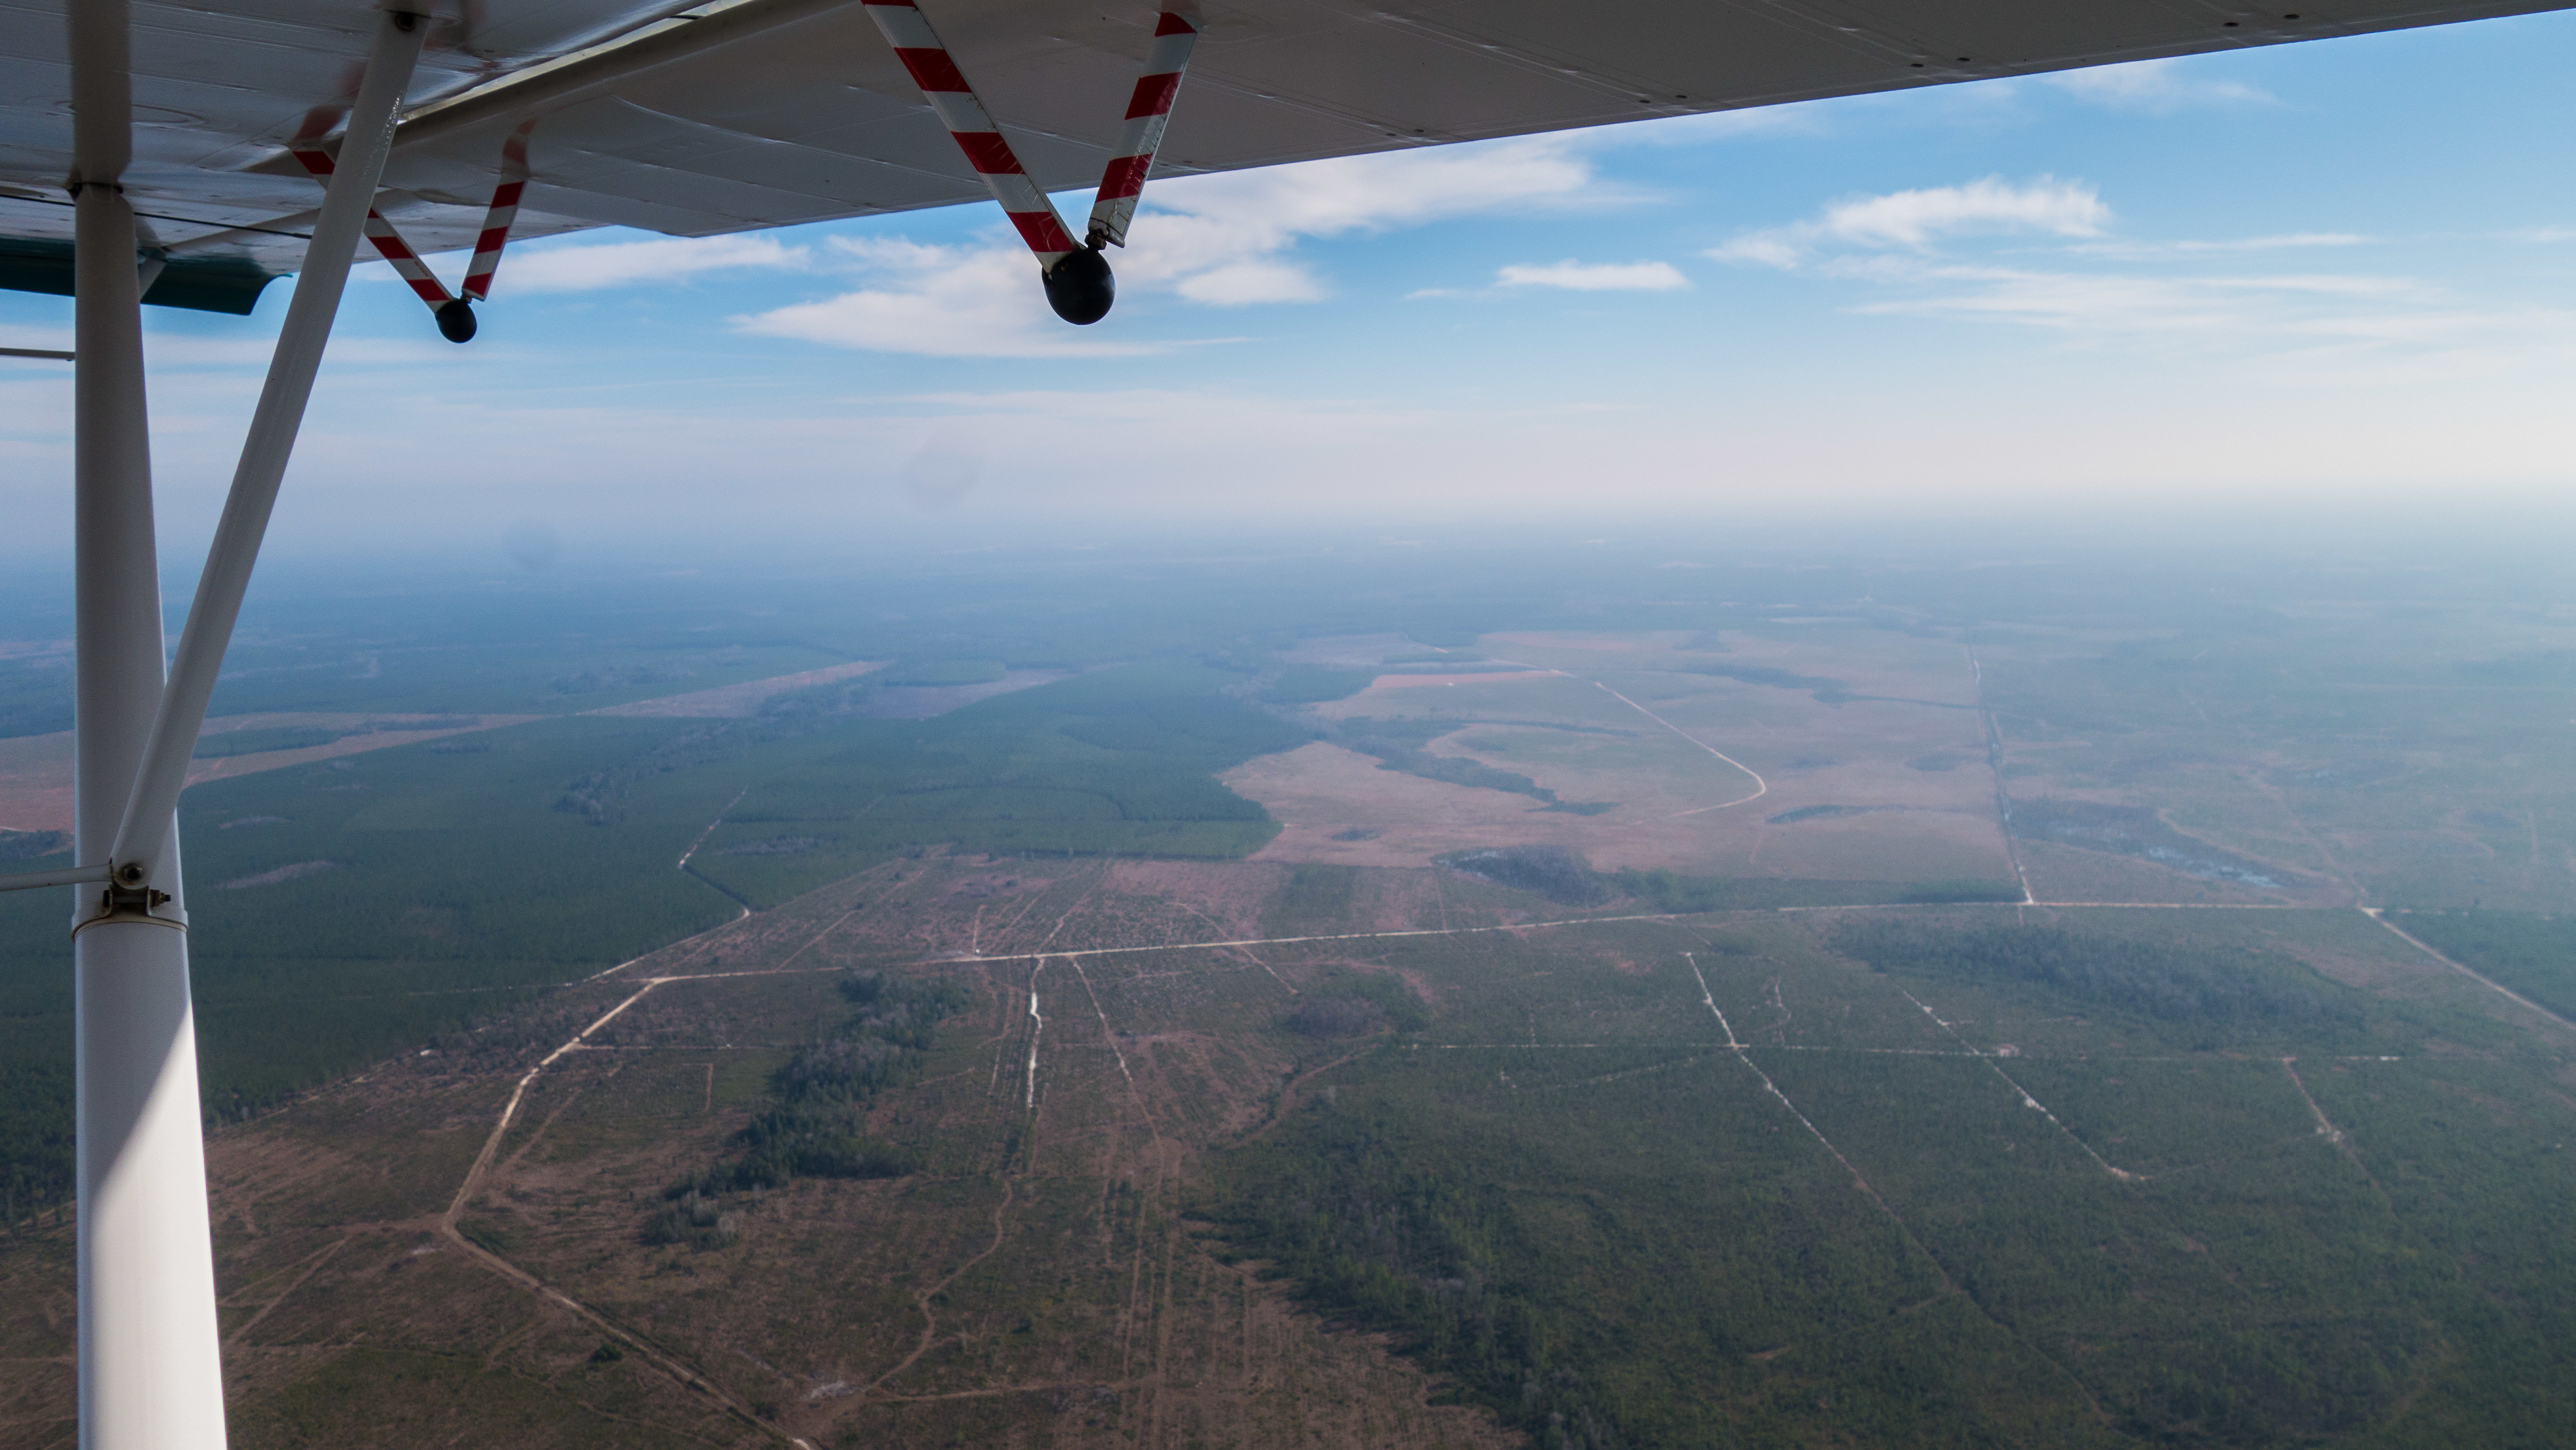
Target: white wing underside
x=763 y=113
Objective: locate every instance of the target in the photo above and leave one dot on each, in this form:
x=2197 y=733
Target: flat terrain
x=448 y=1241
x=36 y=770
x=1305 y=1000
x=1677 y=766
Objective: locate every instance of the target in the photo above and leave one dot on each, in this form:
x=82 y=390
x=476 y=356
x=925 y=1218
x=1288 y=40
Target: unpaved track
x=1149 y=1308
x=922 y=1296
x=1761 y=787
x=1995 y=764
x=2027 y=1101
x=635 y=1340
x=1948 y=1284
x=2501 y=990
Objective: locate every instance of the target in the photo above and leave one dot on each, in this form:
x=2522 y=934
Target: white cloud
x=593 y=266
x=2033 y=256
x=2153 y=85
x=970 y=301
x=166 y=348
x=1222 y=239
x=1921 y=216
x=2282 y=242
x=1574 y=276
x=2286 y=329
x=1260 y=280
x=1219 y=241
x=1913 y=218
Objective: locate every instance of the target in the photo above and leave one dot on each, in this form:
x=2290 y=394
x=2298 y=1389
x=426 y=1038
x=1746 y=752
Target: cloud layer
x=594 y=266
x=1917 y=218
x=1573 y=276
x=971 y=301
x=1216 y=241
x=2155 y=86
x=2038 y=255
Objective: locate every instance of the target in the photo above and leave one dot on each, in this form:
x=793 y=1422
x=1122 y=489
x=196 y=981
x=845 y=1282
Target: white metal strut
x=151 y=1372
x=146 y=820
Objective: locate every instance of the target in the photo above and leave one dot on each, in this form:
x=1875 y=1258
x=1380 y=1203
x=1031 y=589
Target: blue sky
x=2335 y=275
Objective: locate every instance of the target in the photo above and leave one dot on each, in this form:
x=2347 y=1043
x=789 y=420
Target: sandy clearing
x=924 y=702
x=1670 y=803
x=1590 y=643
x=1408 y=682
x=1352 y=649
x=36 y=770
x=1871 y=662
x=36 y=783
x=742 y=701
x=1321 y=792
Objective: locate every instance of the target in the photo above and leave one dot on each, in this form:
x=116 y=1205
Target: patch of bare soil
x=36 y=782
x=1336 y=805
x=391 y=1243
x=921 y=702
x=742 y=701
x=1225 y=895
x=1416 y=682
x=984 y=886
x=1587 y=643
x=1353 y=649
x=36 y=770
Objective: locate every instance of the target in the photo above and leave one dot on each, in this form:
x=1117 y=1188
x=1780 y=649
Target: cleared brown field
x=1677 y=768
x=401 y=1264
x=36 y=770
x=736 y=702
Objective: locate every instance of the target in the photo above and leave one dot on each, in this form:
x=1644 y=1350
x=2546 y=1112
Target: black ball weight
x=1080 y=287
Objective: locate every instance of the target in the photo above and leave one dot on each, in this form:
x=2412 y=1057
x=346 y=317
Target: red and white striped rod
x=390 y=243
x=922 y=53
x=307 y=146
x=1148 y=111
x=504 y=210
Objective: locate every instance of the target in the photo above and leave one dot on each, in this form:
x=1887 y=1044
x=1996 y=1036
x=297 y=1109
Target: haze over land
x=1807 y=986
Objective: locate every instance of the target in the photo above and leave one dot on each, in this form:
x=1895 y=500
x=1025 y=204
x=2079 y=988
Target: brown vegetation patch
x=984 y=886
x=1410 y=682
x=1323 y=794
x=1032 y=1279
x=36 y=770
x=742 y=701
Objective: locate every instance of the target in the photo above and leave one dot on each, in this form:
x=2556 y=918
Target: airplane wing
x=743 y=114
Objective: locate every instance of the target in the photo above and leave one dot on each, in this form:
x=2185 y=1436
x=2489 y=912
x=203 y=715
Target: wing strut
x=144 y=829
x=151 y=1352
x=1079 y=285
x=455 y=314
x=503 y=211
x=1148 y=111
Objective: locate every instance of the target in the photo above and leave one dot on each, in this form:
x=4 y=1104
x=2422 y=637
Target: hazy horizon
x=2302 y=278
